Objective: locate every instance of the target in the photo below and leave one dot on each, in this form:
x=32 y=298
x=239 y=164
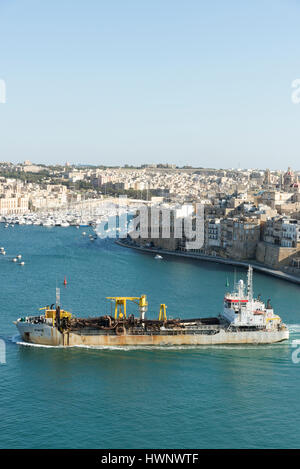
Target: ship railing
x=178 y=331
x=35 y=319
x=139 y=332
x=245 y=327
x=204 y=326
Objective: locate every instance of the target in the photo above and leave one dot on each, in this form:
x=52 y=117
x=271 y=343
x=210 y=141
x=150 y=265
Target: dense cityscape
x=249 y=214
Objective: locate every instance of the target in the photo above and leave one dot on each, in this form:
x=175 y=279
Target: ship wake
x=131 y=348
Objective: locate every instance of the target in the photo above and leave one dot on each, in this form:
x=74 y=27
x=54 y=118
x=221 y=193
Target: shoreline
x=257 y=267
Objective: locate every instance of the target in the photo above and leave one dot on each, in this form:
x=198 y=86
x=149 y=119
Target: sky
x=114 y=82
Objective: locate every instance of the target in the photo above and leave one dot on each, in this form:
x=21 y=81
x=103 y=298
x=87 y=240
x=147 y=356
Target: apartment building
x=282 y=231
x=15 y=205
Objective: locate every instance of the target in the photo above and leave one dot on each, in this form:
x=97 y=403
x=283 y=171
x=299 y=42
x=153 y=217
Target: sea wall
x=256 y=265
x=275 y=256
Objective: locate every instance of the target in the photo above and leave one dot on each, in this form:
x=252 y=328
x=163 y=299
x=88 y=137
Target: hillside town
x=248 y=214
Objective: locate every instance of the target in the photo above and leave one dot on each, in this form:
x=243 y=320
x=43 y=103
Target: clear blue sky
x=205 y=83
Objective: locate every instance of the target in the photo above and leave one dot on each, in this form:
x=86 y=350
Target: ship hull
x=43 y=334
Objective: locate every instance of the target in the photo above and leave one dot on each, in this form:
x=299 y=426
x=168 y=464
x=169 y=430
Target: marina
x=91 y=213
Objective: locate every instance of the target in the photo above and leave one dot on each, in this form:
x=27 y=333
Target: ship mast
x=250 y=284
x=57 y=297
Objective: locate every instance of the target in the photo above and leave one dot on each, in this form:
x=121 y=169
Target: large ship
x=244 y=320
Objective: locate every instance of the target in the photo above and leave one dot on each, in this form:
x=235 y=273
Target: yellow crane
x=162 y=312
x=141 y=301
x=121 y=303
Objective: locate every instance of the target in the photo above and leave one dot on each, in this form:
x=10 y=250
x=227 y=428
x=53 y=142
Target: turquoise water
x=209 y=397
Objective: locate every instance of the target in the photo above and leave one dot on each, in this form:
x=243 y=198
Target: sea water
x=174 y=397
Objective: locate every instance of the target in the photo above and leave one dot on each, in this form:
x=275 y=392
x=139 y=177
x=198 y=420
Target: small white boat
x=48 y=223
x=158 y=257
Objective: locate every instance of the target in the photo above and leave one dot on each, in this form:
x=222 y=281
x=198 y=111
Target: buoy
x=65 y=281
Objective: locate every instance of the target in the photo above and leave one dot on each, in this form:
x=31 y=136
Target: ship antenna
x=57 y=297
x=250 y=283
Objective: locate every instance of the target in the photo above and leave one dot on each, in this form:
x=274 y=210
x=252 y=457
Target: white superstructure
x=242 y=310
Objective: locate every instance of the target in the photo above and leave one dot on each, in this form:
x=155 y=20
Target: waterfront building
x=15 y=205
